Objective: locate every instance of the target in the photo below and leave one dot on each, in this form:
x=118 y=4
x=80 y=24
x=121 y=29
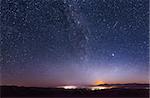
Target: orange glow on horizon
x=99 y=82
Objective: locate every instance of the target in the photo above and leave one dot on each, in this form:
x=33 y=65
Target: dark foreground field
x=30 y=92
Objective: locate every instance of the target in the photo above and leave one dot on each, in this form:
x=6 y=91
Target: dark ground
x=30 y=92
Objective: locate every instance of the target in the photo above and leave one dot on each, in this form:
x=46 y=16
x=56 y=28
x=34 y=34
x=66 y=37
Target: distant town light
x=69 y=87
x=98 y=88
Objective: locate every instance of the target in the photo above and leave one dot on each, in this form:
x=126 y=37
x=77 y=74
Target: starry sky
x=56 y=42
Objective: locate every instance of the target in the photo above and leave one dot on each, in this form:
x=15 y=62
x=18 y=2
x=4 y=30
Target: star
x=113 y=54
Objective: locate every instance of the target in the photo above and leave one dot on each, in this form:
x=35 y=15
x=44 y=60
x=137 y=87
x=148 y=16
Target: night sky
x=66 y=42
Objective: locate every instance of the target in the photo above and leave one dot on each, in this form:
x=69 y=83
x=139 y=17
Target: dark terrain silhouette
x=15 y=91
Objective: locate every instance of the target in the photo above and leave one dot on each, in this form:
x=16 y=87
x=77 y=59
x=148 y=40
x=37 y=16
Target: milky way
x=55 y=42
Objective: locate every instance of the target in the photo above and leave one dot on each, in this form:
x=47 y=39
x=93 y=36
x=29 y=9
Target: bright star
x=112 y=54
